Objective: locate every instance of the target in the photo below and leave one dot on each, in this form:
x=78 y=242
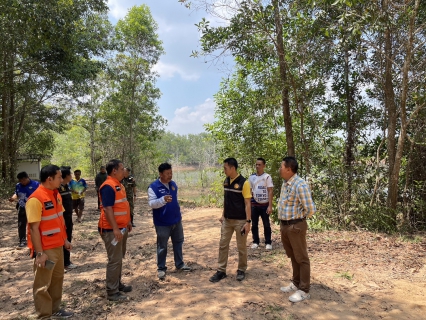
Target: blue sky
x=187 y=84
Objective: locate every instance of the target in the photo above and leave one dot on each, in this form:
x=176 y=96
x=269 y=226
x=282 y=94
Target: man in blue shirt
x=162 y=198
x=24 y=188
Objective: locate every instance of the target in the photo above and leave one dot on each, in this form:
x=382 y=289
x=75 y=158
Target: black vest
x=66 y=199
x=234 y=206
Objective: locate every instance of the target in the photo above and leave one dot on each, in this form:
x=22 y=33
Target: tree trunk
x=11 y=135
x=350 y=131
x=5 y=118
x=92 y=137
x=390 y=107
x=394 y=177
x=389 y=97
x=284 y=82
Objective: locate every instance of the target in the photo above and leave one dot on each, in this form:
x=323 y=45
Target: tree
x=129 y=112
x=353 y=75
x=47 y=49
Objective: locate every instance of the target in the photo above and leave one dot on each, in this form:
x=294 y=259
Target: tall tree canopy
x=348 y=77
x=46 y=53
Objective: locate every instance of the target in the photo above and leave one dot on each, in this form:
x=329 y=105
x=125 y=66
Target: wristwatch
x=39 y=254
x=249 y=221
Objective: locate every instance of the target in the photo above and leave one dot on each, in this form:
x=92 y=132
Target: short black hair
x=261 y=159
x=48 y=171
x=78 y=170
x=102 y=167
x=232 y=162
x=22 y=175
x=164 y=166
x=291 y=162
x=112 y=164
x=65 y=172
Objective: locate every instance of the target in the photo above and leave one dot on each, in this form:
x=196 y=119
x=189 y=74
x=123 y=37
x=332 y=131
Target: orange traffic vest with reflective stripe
x=52 y=225
x=120 y=208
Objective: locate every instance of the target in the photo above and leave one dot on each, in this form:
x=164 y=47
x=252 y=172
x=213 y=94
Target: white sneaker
x=289 y=288
x=254 y=246
x=70 y=266
x=298 y=296
x=269 y=247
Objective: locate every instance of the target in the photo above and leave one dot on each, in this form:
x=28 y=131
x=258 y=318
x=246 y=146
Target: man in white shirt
x=261 y=203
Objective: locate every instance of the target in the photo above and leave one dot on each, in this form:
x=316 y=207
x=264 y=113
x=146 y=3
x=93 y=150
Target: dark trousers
x=163 y=234
x=22 y=224
x=99 y=198
x=256 y=212
x=293 y=237
x=132 y=207
x=69 y=225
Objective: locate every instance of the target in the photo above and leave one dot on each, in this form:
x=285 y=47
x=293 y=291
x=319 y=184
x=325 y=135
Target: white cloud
x=168 y=71
x=191 y=120
x=118 y=9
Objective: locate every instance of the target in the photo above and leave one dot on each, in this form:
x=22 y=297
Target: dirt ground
x=355 y=275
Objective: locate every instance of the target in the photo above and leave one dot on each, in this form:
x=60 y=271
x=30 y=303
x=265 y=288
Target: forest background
x=338 y=84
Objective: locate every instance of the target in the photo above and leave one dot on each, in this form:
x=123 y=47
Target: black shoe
x=61 y=314
x=240 y=275
x=117 y=297
x=22 y=245
x=133 y=225
x=219 y=275
x=185 y=267
x=125 y=288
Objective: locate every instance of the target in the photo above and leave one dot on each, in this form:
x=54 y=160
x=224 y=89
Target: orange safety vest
x=121 y=206
x=52 y=225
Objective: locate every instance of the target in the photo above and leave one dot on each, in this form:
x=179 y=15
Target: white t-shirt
x=259 y=187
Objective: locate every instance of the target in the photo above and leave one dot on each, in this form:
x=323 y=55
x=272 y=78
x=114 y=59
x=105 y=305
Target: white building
x=30 y=165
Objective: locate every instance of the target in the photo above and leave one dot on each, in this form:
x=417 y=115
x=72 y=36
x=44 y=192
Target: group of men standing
x=247 y=200
x=47 y=209
x=49 y=215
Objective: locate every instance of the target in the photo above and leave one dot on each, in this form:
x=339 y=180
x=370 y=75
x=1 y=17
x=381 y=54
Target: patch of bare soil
x=355 y=275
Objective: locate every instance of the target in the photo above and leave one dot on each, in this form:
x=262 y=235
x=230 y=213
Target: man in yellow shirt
x=46 y=241
x=78 y=188
x=236 y=217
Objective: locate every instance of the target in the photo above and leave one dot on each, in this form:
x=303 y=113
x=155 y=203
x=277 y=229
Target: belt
x=294 y=221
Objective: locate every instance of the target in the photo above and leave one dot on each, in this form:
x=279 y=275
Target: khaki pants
x=228 y=228
x=293 y=238
x=115 y=261
x=47 y=289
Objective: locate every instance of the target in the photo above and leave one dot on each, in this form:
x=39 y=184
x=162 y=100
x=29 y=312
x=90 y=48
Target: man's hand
x=247 y=227
x=117 y=234
x=68 y=245
x=167 y=199
x=11 y=199
x=269 y=210
x=129 y=226
x=221 y=219
x=41 y=260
